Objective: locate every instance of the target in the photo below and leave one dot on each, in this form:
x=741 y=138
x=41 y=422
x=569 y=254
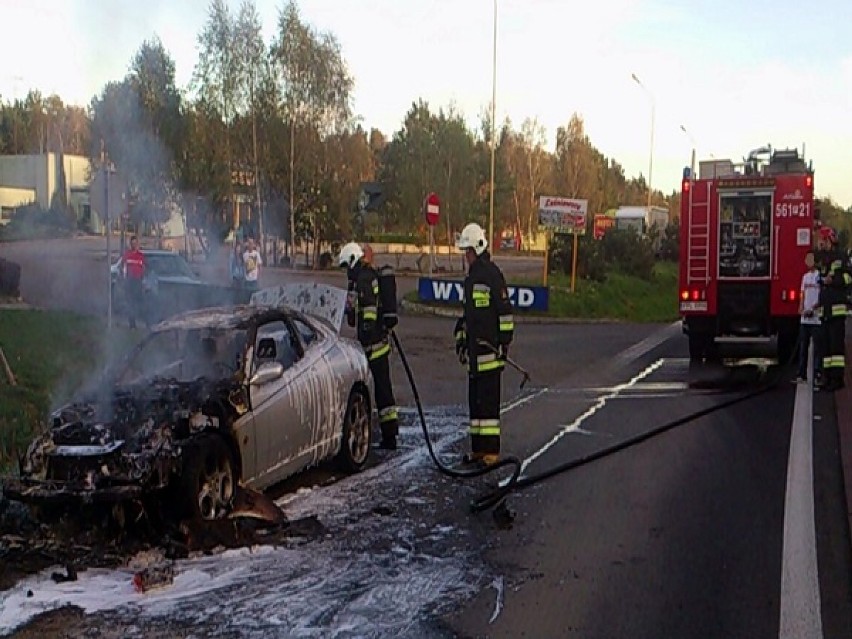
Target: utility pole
x=493 y=132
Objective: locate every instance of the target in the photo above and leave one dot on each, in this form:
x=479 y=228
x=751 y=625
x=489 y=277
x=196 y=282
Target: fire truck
x=745 y=230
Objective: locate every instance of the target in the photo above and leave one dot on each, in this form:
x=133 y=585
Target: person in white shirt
x=810 y=320
x=252 y=264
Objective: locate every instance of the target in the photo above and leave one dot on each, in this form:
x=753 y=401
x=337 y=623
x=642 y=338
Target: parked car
x=208 y=399
x=171 y=286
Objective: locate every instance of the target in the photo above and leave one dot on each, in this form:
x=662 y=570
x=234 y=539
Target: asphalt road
x=682 y=535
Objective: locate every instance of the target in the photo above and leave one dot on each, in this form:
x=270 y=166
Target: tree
x=314 y=81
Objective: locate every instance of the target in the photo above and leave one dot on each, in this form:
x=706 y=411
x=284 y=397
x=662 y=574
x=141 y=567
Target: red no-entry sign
x=432 y=209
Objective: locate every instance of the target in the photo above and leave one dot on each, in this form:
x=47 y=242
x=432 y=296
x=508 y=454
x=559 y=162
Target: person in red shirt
x=133 y=263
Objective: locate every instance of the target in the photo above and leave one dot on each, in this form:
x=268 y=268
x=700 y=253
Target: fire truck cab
x=745 y=231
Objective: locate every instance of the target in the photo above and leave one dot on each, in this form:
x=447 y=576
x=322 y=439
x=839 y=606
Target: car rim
x=359 y=429
x=217 y=487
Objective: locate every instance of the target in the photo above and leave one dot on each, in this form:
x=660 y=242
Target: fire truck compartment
x=743 y=309
x=745 y=223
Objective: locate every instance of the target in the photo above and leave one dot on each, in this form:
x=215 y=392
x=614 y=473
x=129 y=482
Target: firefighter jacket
x=485 y=331
x=364 y=283
x=833 y=300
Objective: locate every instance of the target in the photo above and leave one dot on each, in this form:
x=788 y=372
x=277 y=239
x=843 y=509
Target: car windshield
x=168 y=265
x=186 y=355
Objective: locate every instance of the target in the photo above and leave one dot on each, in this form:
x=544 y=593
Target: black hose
x=481 y=503
x=515 y=481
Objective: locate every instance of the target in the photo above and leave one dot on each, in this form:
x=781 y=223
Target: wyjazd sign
x=523 y=298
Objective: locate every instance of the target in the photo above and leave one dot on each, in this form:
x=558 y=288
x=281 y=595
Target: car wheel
x=208 y=482
x=357 y=432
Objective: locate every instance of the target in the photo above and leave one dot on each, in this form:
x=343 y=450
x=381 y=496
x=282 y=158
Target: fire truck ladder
x=698 y=237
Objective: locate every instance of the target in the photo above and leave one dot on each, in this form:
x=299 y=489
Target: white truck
x=641 y=218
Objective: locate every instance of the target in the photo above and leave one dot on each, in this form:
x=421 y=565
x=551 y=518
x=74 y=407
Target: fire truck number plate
x=693 y=306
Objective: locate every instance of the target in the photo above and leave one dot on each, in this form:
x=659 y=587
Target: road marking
x=652 y=341
x=594 y=408
x=800 y=602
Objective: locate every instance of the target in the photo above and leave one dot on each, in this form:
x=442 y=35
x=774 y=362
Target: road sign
x=562 y=214
x=602 y=224
x=432 y=208
x=98 y=194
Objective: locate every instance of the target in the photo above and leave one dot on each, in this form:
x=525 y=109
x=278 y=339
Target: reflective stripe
x=474 y=426
x=460 y=335
x=834 y=361
x=375 y=285
x=838 y=310
x=490 y=366
x=370 y=312
x=507 y=327
x=488 y=357
x=481 y=287
x=380 y=351
x=388 y=414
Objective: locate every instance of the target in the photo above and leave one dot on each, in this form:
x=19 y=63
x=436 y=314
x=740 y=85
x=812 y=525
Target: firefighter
x=365 y=311
x=483 y=335
x=833 y=304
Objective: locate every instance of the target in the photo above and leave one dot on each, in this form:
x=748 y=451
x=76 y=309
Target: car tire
x=356 y=438
x=208 y=482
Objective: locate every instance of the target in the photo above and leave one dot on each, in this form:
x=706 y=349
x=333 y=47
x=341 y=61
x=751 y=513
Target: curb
x=416 y=308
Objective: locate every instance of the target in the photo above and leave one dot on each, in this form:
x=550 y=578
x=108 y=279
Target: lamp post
x=651 y=154
x=493 y=131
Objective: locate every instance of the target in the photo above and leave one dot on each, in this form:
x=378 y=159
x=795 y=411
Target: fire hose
x=498 y=495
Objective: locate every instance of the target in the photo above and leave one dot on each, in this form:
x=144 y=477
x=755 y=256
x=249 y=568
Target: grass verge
x=51 y=354
x=621 y=297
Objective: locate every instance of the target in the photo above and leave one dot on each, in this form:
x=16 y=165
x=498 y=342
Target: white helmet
x=472 y=236
x=350 y=254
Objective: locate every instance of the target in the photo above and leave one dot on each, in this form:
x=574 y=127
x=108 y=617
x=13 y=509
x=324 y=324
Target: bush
x=670 y=243
x=32 y=222
x=619 y=250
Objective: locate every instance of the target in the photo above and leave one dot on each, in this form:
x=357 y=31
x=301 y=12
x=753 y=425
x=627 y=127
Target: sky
x=735 y=75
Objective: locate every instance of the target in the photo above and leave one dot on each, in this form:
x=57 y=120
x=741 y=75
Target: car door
x=282 y=409
x=322 y=386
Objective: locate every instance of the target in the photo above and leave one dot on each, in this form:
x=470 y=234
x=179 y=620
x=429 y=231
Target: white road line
x=650 y=342
x=594 y=408
x=800 y=602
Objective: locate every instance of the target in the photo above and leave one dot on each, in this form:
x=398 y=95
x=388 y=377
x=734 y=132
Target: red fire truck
x=745 y=230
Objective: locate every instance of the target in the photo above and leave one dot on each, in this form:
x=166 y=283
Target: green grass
x=620 y=297
x=52 y=354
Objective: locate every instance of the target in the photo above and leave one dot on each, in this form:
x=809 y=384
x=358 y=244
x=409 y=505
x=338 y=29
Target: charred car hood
x=127 y=440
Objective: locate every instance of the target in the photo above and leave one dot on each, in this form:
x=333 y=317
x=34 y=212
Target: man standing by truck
x=810 y=320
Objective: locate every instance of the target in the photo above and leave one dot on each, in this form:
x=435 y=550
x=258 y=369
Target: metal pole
x=574 y=262
x=108 y=246
x=493 y=132
x=651 y=152
x=651 y=158
x=292 y=199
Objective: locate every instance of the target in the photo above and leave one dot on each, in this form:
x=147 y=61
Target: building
x=38 y=179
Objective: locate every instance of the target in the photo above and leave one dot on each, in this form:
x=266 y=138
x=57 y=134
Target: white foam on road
x=800 y=601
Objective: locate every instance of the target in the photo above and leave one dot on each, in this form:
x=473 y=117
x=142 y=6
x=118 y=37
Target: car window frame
x=291 y=330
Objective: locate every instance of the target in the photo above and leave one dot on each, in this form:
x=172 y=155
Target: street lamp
x=493 y=132
x=651 y=158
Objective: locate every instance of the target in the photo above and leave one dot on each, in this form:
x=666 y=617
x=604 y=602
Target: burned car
x=209 y=400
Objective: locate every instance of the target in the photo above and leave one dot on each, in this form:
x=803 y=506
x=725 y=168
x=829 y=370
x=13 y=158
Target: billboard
x=562 y=214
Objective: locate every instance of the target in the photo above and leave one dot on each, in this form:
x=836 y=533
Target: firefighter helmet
x=472 y=236
x=350 y=254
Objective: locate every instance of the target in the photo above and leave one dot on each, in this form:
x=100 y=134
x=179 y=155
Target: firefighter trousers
x=484 y=404
x=834 y=360
x=385 y=402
